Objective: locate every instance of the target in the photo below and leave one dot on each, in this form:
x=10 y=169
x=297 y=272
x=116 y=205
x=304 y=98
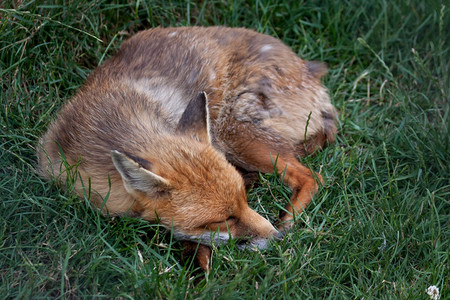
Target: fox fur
x=155 y=127
x=265 y=103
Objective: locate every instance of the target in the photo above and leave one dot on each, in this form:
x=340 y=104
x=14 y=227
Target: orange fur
x=263 y=102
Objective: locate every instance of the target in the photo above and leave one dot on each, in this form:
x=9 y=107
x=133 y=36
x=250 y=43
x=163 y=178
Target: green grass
x=378 y=229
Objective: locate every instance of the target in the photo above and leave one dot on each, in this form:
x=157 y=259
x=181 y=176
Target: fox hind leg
x=302 y=181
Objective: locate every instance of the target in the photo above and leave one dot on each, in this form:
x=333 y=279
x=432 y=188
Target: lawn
x=379 y=228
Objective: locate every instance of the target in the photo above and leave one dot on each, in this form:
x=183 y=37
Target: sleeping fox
x=161 y=127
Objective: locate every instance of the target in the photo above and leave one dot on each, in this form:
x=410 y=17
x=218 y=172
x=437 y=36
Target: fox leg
x=303 y=183
x=202 y=254
x=301 y=180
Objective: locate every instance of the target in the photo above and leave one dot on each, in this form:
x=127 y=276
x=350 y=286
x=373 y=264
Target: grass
x=380 y=226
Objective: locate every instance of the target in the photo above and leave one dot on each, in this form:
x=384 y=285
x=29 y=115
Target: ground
x=377 y=229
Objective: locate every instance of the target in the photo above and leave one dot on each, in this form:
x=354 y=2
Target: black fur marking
x=316 y=68
x=195 y=115
x=278 y=70
x=143 y=163
x=327 y=116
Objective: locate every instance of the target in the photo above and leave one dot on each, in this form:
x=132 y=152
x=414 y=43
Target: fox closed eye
x=221 y=225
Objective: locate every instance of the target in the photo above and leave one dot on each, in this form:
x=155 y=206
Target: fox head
x=191 y=188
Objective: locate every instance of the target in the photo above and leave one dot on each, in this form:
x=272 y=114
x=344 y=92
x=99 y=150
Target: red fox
x=156 y=127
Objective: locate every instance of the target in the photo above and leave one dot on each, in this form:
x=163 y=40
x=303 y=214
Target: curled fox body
x=265 y=103
x=156 y=126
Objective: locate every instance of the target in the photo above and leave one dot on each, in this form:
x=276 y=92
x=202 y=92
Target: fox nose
x=261 y=243
x=279 y=235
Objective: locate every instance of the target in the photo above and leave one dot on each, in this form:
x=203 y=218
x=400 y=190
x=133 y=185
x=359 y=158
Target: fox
x=267 y=106
x=169 y=127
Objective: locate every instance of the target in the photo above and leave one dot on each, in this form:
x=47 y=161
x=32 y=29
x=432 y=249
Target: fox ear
x=195 y=119
x=136 y=175
x=317 y=68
